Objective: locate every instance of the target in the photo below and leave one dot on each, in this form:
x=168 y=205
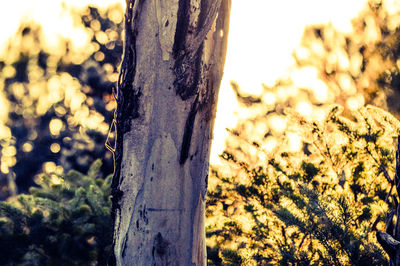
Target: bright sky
x=262 y=35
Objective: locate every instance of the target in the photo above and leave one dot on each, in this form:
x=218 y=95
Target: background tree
x=294 y=162
x=58 y=102
x=66 y=220
x=56 y=107
x=358 y=67
x=167 y=91
x=303 y=181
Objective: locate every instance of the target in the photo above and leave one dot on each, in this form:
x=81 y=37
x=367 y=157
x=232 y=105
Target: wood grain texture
x=164 y=122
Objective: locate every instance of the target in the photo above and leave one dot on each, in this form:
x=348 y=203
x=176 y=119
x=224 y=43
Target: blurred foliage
x=314 y=206
x=304 y=181
x=64 y=221
x=58 y=103
x=357 y=67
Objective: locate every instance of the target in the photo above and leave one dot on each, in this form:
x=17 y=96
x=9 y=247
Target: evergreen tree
x=320 y=205
x=310 y=186
x=64 y=221
x=58 y=103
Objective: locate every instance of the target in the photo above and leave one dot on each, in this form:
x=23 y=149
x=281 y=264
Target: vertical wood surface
x=169 y=79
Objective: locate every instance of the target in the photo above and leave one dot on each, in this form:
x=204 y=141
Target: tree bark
x=390 y=239
x=172 y=66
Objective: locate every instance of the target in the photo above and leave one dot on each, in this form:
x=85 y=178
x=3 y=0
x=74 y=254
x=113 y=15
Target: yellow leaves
x=373 y=33
x=355 y=64
x=18 y=90
x=346 y=84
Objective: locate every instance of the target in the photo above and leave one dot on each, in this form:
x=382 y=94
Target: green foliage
x=309 y=188
x=64 y=221
x=315 y=206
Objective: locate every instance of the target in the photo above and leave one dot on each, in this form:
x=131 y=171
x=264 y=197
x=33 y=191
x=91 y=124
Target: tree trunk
x=167 y=92
x=390 y=239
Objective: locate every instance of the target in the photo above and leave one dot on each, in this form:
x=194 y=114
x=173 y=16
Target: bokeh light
x=272 y=57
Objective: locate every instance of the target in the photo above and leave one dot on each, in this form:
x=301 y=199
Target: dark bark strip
x=188 y=73
x=204 y=9
x=187 y=135
x=127 y=99
x=182 y=25
x=187 y=65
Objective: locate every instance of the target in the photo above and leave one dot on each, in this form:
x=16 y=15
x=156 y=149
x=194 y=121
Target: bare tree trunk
x=390 y=239
x=170 y=75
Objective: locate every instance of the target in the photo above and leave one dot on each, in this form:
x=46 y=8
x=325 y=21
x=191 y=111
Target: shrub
x=319 y=205
x=65 y=221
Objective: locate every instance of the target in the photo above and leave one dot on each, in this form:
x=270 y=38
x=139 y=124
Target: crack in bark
x=187 y=135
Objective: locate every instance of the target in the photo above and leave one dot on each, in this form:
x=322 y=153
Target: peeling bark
x=172 y=67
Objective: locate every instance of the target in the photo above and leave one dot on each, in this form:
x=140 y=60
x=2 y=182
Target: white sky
x=262 y=35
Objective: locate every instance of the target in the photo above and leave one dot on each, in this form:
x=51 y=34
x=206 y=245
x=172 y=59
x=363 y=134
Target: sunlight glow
x=283 y=93
x=5 y=132
x=295 y=143
x=304 y=108
x=49 y=167
x=269 y=144
x=4 y=167
x=269 y=98
x=347 y=84
x=354 y=103
x=27 y=147
x=277 y=123
x=55 y=147
x=55 y=126
x=9 y=151
x=318 y=114
x=267 y=31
